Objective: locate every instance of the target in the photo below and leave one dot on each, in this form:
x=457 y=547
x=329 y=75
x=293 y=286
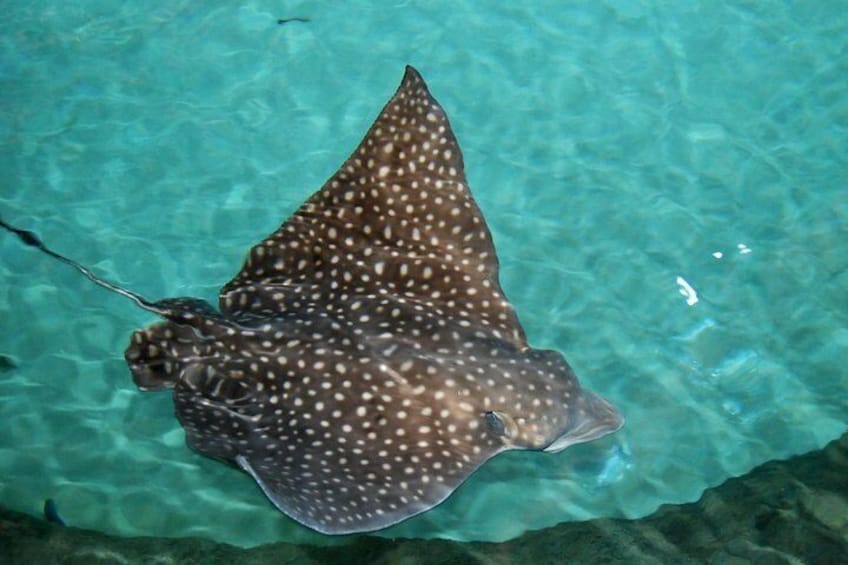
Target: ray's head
x=541 y=405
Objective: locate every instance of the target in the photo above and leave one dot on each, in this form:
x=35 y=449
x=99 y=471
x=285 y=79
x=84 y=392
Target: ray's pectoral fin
x=398 y=215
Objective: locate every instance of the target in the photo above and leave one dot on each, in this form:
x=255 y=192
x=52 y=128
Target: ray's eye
x=495 y=423
x=501 y=424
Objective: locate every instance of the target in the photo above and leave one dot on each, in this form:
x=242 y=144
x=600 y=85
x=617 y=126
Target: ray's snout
x=591 y=418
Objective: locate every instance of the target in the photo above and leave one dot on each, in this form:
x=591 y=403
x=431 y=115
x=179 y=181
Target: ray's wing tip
x=412 y=80
x=411 y=73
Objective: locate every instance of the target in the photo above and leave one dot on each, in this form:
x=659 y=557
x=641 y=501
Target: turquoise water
x=667 y=184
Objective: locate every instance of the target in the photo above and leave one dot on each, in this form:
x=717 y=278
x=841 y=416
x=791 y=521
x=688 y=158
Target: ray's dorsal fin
x=397 y=218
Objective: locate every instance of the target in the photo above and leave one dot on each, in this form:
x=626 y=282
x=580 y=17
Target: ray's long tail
x=31 y=239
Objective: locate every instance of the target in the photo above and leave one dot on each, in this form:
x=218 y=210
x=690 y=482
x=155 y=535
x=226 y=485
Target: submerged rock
x=792 y=511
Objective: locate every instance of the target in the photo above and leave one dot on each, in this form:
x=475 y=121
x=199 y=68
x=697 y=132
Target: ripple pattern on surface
x=614 y=150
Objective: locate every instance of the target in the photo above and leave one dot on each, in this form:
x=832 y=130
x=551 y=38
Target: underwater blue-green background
x=666 y=182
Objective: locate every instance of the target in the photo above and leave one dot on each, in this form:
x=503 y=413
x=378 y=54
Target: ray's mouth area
x=594 y=418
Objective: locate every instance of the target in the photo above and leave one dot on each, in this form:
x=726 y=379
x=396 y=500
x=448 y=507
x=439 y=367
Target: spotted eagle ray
x=364 y=361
